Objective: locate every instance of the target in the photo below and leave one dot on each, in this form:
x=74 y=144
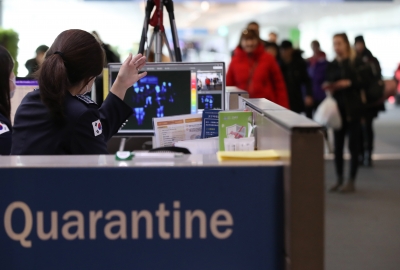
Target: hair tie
x=60 y=53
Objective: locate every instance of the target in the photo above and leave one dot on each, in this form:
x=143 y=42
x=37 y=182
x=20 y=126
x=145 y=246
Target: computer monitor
x=171 y=89
x=24 y=86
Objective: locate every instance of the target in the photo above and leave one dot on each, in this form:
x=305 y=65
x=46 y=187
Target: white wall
x=120 y=23
x=40 y=21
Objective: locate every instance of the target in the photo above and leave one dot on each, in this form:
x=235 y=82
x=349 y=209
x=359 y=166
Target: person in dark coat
x=317 y=65
x=273 y=49
x=32 y=65
x=345 y=84
x=58 y=118
x=256 y=71
x=294 y=70
x=110 y=57
x=373 y=107
x=7 y=89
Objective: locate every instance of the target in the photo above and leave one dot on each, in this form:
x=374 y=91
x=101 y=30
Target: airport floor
x=362 y=229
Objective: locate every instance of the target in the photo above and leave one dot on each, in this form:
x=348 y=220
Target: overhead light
x=205 y=5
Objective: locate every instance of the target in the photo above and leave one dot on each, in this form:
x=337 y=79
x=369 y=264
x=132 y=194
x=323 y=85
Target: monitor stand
x=122 y=144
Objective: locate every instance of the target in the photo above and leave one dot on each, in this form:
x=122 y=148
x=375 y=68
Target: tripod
x=158 y=36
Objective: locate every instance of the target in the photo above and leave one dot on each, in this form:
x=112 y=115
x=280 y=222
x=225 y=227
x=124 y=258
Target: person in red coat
x=256 y=71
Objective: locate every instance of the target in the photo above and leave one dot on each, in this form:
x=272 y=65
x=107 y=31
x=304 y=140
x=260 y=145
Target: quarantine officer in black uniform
x=7 y=89
x=58 y=119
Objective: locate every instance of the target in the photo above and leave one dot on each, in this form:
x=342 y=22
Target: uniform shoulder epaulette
x=85 y=99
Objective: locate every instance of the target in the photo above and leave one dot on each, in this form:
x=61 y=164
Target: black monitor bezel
x=117 y=66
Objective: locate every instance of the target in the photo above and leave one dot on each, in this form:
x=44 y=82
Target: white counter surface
x=95 y=161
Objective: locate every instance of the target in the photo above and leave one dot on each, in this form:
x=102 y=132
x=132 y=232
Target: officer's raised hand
x=128 y=74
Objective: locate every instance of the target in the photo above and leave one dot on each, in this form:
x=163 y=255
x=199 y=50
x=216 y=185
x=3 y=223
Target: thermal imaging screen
x=158 y=94
x=171 y=89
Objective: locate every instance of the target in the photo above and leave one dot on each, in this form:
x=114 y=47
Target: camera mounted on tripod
x=158 y=36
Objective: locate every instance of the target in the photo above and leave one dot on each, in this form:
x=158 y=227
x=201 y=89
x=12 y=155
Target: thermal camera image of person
x=207 y=101
x=139 y=102
x=160 y=98
x=148 y=93
x=170 y=93
x=164 y=87
x=210 y=101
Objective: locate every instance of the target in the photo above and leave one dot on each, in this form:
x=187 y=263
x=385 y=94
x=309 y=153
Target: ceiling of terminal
x=120 y=22
x=190 y=14
x=212 y=14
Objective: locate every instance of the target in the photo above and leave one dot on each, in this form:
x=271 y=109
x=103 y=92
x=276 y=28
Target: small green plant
x=9 y=40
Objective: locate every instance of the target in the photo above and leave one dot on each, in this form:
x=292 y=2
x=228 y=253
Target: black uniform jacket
x=5 y=135
x=85 y=129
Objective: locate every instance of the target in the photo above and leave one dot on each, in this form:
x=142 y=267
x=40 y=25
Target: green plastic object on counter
x=234 y=124
x=124 y=155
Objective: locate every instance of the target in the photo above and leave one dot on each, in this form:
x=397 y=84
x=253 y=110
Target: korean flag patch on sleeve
x=3 y=128
x=97 y=128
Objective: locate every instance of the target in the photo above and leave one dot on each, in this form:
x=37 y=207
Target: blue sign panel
x=141 y=218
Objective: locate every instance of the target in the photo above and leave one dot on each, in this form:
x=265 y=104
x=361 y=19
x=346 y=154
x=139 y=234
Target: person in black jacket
x=273 y=48
x=375 y=103
x=7 y=89
x=58 y=118
x=110 y=57
x=295 y=73
x=32 y=65
x=343 y=81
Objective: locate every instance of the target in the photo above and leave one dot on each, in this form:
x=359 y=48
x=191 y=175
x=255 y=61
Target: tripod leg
x=171 y=56
x=169 y=4
x=143 y=39
x=144 y=36
x=150 y=45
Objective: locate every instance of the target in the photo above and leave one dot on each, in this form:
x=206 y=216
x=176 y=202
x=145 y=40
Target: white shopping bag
x=327 y=114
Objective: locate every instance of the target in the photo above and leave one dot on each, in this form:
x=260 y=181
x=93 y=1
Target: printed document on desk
x=169 y=130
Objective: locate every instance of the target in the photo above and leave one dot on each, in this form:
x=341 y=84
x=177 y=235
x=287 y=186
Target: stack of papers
x=248 y=155
x=172 y=129
x=202 y=146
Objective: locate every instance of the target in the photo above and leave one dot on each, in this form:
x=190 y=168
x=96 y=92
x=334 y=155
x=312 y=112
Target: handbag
x=374 y=93
x=328 y=114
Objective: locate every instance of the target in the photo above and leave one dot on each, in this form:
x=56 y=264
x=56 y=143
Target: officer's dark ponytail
x=75 y=57
x=6 y=67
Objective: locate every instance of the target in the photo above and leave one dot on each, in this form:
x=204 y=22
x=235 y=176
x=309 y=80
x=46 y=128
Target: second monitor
x=171 y=89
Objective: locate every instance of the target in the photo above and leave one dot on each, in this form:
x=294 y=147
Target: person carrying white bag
x=327 y=113
x=344 y=83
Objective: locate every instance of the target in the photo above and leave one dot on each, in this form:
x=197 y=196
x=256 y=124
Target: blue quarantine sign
x=140 y=218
